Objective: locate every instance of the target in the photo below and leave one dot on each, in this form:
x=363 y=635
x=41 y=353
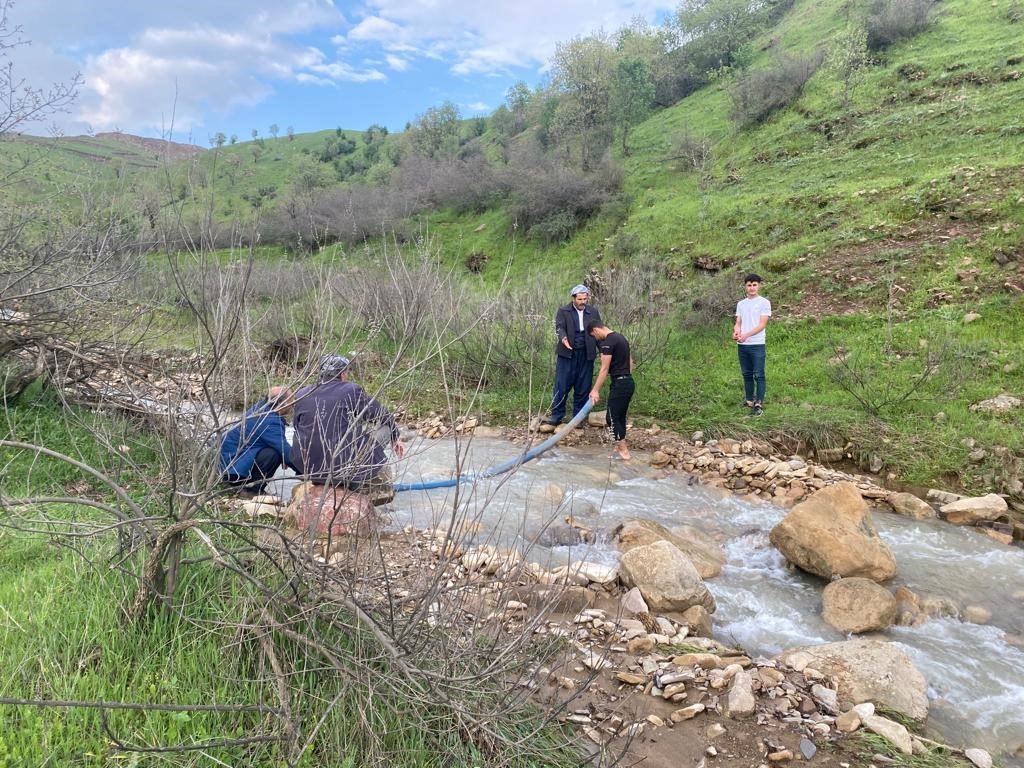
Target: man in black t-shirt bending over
x=616 y=364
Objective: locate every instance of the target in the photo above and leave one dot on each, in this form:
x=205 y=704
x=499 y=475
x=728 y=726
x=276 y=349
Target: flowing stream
x=975 y=672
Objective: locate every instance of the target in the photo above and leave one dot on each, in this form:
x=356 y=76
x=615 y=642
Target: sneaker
x=757 y=410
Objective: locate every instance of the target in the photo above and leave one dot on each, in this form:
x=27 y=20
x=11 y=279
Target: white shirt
x=580 y=313
x=750 y=312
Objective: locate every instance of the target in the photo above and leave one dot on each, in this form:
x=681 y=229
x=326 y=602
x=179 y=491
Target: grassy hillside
x=882 y=227
x=876 y=242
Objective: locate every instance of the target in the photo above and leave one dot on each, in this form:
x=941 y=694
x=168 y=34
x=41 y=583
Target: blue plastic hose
x=505 y=466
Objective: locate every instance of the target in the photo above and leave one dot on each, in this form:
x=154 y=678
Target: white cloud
x=481 y=37
x=397 y=63
x=478 y=106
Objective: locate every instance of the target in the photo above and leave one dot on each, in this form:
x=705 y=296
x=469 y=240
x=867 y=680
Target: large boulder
x=858 y=605
x=666 y=578
x=975 y=509
x=831 y=533
x=707 y=557
x=866 y=670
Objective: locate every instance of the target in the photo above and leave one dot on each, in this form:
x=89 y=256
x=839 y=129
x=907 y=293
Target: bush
x=696 y=154
x=550 y=194
x=1015 y=12
x=757 y=95
x=894 y=20
x=555 y=229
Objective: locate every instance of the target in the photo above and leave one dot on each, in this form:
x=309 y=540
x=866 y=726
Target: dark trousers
x=264 y=466
x=619 y=394
x=575 y=373
x=752 y=367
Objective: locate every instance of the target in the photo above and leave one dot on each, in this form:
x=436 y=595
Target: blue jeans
x=575 y=373
x=752 y=367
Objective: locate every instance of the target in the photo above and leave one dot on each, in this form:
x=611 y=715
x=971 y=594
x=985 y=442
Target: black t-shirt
x=615 y=344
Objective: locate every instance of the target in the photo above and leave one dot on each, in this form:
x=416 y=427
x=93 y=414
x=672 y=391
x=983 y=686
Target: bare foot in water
x=623 y=452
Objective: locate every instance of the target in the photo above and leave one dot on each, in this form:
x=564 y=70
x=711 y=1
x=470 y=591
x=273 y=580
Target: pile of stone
x=434 y=427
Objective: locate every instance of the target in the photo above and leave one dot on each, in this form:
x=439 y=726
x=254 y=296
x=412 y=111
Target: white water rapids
x=975 y=672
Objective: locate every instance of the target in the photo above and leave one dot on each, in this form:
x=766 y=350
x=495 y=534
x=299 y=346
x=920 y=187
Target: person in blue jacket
x=253 y=450
x=341 y=433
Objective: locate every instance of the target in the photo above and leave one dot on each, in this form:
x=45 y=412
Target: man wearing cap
x=575 y=353
x=335 y=426
x=253 y=449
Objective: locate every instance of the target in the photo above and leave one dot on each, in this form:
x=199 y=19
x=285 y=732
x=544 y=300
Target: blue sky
x=198 y=67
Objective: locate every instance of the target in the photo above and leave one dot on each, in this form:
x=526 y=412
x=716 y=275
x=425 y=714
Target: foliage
x=759 y=93
x=892 y=20
x=632 y=95
x=436 y=130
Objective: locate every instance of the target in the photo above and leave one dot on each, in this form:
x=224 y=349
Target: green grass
x=65 y=636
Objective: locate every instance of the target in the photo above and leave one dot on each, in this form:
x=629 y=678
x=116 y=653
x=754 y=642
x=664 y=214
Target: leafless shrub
x=696 y=153
x=543 y=187
x=632 y=300
x=405 y=296
x=1015 y=12
x=892 y=20
x=758 y=94
x=709 y=299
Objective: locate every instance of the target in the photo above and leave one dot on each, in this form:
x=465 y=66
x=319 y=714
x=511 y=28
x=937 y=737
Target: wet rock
x=909 y=505
x=942 y=497
x=706 y=556
x=831 y=533
x=597 y=418
x=866 y=671
x=976 y=614
x=939 y=607
x=666 y=578
x=564 y=535
x=857 y=605
x=973 y=510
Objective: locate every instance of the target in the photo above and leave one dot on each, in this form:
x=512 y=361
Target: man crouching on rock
x=336 y=434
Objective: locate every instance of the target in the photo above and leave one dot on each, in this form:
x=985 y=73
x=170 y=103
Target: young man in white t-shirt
x=752 y=314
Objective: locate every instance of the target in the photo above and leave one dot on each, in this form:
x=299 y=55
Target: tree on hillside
x=273 y=130
x=375 y=132
x=715 y=31
x=290 y=133
x=218 y=140
x=255 y=134
x=436 y=131
x=517 y=101
x=847 y=59
x=631 y=96
x=581 y=72
x=234 y=139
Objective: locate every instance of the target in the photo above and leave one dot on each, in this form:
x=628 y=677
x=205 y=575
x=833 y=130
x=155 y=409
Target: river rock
x=706 y=556
x=974 y=509
x=895 y=733
x=326 y=511
x=858 y=605
x=866 y=671
x=739 y=701
x=666 y=578
x=633 y=602
x=698 y=621
x=979 y=757
x=831 y=533
x=909 y=505
x=597 y=418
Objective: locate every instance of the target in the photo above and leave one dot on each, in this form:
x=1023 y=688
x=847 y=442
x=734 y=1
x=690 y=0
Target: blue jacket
x=260 y=427
x=334 y=442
